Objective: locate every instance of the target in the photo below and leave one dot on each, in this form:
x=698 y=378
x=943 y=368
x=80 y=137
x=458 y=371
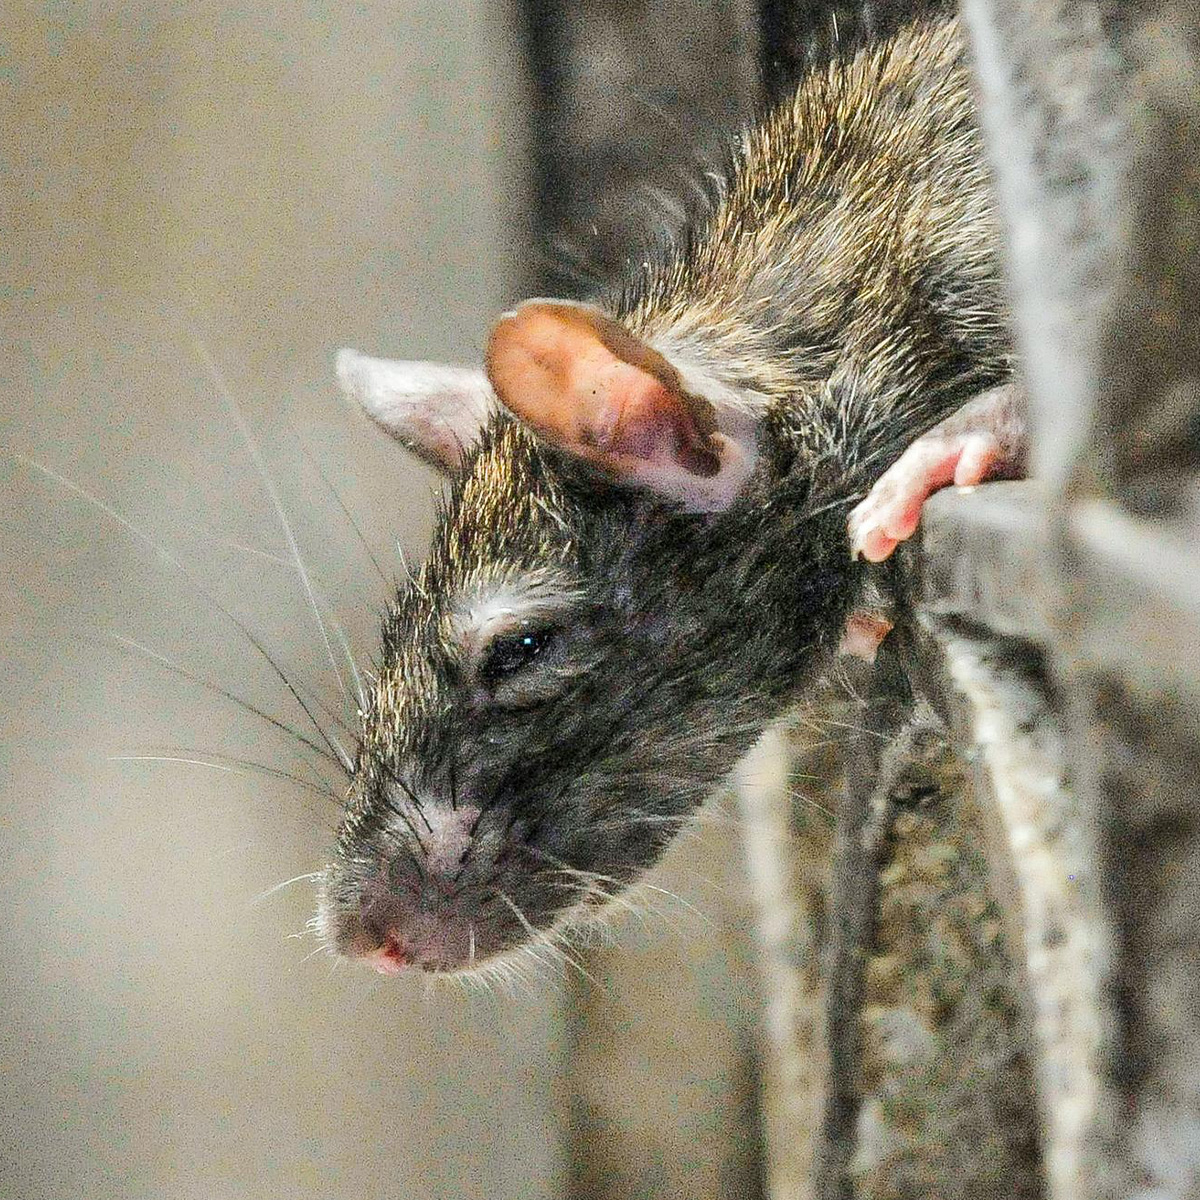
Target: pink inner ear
x=582 y=381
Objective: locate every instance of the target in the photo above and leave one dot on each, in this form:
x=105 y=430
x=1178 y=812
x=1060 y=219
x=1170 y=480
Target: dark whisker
x=334 y=623
x=337 y=719
x=170 y=665
x=395 y=777
x=399 y=811
x=497 y=792
x=122 y=520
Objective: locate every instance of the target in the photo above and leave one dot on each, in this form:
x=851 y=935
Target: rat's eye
x=514 y=651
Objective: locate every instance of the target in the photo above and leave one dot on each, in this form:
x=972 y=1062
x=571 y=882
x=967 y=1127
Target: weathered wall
x=1053 y=629
x=1101 y=185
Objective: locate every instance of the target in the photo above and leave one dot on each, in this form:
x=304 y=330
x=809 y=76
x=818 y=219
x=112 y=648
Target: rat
x=656 y=509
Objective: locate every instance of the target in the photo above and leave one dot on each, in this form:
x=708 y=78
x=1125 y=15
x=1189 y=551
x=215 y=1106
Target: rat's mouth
x=428 y=944
x=396 y=926
x=461 y=894
x=394 y=958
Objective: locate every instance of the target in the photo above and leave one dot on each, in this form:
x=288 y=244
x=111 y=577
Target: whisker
x=393 y=807
x=304 y=449
x=163 y=553
x=822 y=723
x=519 y=914
x=556 y=941
x=797 y=794
x=336 y=625
x=620 y=896
x=620 y=900
x=359 y=690
x=235 y=409
x=211 y=534
x=286 y=883
x=178 y=668
x=231 y=764
x=417 y=807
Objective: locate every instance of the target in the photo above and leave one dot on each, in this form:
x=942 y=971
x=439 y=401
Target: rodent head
x=574 y=667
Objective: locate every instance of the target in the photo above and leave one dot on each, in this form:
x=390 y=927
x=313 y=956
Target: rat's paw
x=892 y=509
x=983 y=440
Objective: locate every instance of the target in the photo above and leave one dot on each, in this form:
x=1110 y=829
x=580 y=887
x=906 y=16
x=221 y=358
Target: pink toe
x=975 y=462
x=902 y=522
x=877 y=545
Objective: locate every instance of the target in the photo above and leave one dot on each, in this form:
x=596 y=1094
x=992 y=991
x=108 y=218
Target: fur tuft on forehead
x=508 y=505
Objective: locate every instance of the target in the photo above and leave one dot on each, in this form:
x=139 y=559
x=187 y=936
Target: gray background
x=266 y=185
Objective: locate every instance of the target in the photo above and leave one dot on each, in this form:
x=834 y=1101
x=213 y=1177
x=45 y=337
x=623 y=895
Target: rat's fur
x=843 y=294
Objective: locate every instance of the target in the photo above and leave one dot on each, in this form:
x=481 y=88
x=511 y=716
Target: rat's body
x=615 y=606
x=848 y=272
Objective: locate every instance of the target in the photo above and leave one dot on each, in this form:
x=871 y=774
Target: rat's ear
x=585 y=383
x=436 y=410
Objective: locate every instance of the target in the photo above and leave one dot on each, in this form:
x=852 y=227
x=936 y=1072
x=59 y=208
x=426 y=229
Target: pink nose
x=389 y=959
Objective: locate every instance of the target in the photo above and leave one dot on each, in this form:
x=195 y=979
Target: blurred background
x=199 y=203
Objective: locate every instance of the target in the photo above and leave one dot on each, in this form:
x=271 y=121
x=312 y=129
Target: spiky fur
x=845 y=284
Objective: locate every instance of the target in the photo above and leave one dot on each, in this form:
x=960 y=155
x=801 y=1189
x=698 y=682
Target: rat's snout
x=421 y=905
x=432 y=900
x=414 y=930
